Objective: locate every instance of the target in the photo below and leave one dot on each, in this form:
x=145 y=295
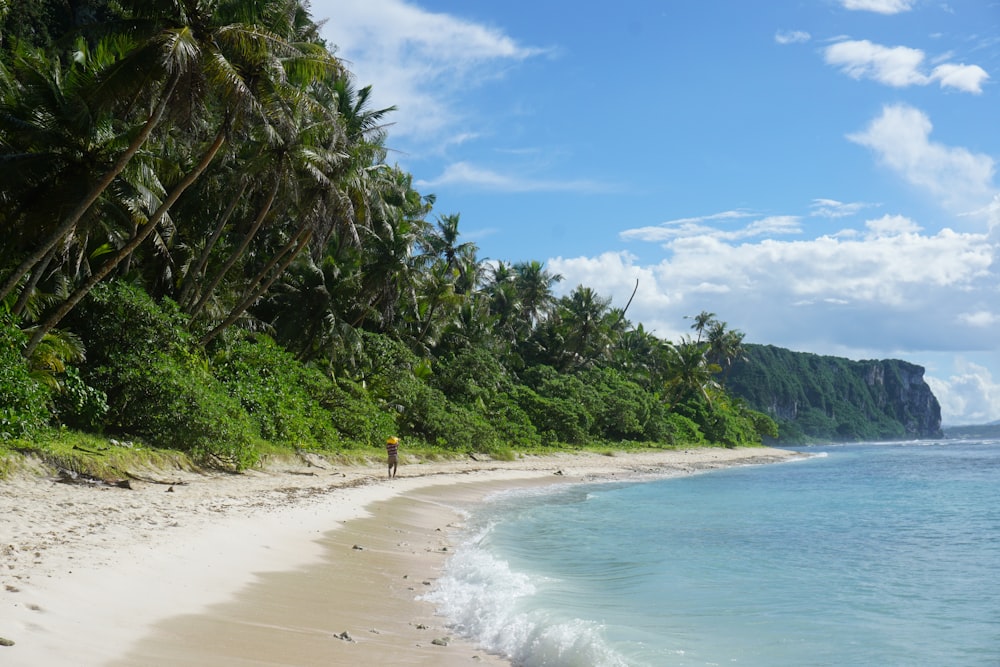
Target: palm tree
x=584 y=317
x=702 y=320
x=725 y=345
x=636 y=354
x=240 y=64
x=691 y=374
x=159 y=65
x=533 y=285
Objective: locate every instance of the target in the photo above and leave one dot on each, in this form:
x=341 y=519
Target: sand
x=298 y=564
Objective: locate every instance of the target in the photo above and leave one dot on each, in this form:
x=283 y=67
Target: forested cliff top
x=836 y=399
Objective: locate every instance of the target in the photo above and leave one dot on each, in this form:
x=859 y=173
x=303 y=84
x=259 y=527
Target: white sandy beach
x=294 y=565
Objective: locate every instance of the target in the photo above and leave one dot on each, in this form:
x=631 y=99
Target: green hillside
x=824 y=398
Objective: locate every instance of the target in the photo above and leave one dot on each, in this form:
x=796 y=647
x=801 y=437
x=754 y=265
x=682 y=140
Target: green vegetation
x=824 y=398
x=206 y=253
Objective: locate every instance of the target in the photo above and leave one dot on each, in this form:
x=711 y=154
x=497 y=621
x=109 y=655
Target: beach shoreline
x=115 y=576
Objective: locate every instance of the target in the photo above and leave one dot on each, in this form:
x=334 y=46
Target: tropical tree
x=725 y=346
x=586 y=326
x=691 y=374
x=702 y=321
x=533 y=286
x=238 y=63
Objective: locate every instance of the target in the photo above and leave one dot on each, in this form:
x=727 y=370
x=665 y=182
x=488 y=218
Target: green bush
x=177 y=404
x=623 y=408
x=679 y=430
x=442 y=423
x=356 y=416
x=512 y=424
x=281 y=395
x=475 y=380
x=79 y=405
x=24 y=402
x=139 y=354
x=558 y=420
x=472 y=376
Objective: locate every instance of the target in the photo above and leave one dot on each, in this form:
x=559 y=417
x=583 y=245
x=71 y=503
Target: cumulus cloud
x=969 y=396
x=886 y=283
x=900 y=66
x=900 y=138
x=969 y=78
x=419 y=58
x=792 y=37
x=879 y=6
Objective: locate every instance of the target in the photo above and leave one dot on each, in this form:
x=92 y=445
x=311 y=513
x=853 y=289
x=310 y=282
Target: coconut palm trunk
x=238 y=252
x=127 y=249
x=188 y=290
x=70 y=222
x=263 y=281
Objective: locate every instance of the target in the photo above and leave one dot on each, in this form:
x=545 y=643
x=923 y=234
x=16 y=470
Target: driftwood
x=308 y=460
x=150 y=480
x=67 y=476
x=89 y=451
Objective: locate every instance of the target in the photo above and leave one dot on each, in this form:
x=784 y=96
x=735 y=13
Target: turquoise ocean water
x=870 y=554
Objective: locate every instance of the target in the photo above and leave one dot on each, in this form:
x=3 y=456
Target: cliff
x=823 y=398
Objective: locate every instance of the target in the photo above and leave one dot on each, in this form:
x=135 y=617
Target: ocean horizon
x=859 y=554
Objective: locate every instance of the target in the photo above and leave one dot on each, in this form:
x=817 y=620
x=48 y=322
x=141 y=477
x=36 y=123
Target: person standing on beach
x=392 y=448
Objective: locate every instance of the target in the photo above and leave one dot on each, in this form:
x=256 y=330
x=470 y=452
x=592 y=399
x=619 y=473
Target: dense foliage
x=204 y=248
x=814 y=397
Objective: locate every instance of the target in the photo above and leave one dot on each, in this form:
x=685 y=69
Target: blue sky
x=821 y=174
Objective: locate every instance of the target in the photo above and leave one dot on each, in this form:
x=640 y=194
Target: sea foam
x=484 y=600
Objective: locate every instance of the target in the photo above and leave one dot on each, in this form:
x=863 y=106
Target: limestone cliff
x=815 y=397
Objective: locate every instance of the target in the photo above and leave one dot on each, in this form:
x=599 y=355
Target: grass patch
x=87 y=454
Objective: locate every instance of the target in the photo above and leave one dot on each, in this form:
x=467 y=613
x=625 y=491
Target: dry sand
x=295 y=565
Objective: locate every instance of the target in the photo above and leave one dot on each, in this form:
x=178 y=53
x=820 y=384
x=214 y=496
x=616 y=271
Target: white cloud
x=900 y=137
x=892 y=225
x=831 y=208
x=894 y=66
x=464 y=173
x=970 y=396
x=980 y=318
x=792 y=37
x=879 y=6
x=419 y=60
x=968 y=78
x=889 y=283
x=900 y=66
x=688 y=227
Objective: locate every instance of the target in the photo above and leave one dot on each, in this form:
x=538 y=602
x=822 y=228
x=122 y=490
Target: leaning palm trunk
x=263 y=281
x=29 y=288
x=238 y=252
x=190 y=280
x=127 y=249
x=73 y=218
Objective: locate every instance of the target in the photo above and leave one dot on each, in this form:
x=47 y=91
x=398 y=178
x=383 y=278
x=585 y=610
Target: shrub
x=557 y=419
x=356 y=416
x=679 y=430
x=79 y=405
x=24 y=402
x=139 y=355
x=177 y=404
x=282 y=396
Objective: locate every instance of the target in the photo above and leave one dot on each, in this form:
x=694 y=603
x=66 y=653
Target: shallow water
x=874 y=554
